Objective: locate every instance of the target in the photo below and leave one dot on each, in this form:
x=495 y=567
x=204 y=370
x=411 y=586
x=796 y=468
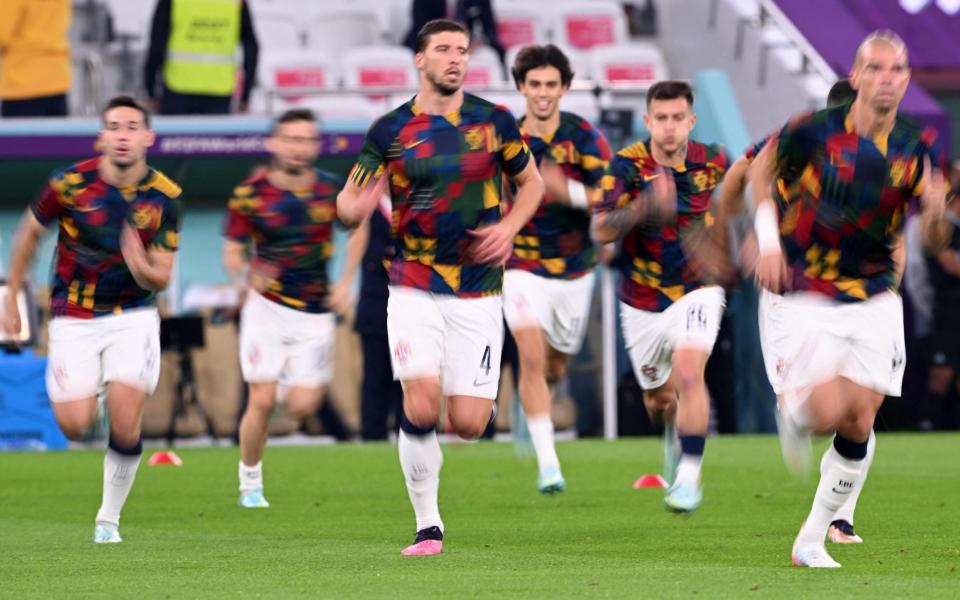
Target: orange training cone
x=166 y=457
x=649 y=481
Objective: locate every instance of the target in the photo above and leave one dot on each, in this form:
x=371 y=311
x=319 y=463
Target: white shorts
x=86 y=353
x=558 y=306
x=809 y=339
x=280 y=344
x=456 y=339
x=693 y=321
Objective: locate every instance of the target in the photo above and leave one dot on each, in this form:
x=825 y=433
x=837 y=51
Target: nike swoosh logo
x=836 y=491
x=650 y=177
x=413 y=144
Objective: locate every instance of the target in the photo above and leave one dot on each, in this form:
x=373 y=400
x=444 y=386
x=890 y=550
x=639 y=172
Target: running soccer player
x=549 y=279
x=119 y=222
x=279 y=236
x=831 y=322
x=731 y=207
x=443 y=154
x=657 y=197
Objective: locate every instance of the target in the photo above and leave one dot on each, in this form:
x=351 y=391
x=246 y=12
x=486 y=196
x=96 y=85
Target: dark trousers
x=44 y=106
x=172 y=103
x=380 y=394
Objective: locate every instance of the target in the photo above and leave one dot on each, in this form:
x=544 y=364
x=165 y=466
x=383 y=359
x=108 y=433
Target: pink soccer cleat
x=429 y=541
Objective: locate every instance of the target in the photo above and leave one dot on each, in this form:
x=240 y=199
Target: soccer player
x=279 y=232
x=731 y=206
x=119 y=222
x=549 y=279
x=657 y=197
x=831 y=322
x=443 y=154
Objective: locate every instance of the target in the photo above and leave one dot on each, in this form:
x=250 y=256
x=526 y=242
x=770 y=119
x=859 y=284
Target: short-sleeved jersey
x=849 y=196
x=291 y=233
x=445 y=179
x=556 y=242
x=655 y=271
x=90 y=277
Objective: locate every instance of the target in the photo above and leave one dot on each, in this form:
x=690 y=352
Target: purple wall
x=836 y=27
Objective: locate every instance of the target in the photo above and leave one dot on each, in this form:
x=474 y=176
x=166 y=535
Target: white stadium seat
x=292 y=70
x=519 y=25
x=278 y=29
x=585 y=25
x=334 y=29
x=636 y=63
x=484 y=70
x=379 y=67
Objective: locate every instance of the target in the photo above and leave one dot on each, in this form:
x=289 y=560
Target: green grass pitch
x=340 y=516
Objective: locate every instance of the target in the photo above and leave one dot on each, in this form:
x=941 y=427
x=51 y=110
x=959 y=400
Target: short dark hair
x=292 y=115
x=125 y=102
x=670 y=90
x=437 y=26
x=534 y=57
x=841 y=93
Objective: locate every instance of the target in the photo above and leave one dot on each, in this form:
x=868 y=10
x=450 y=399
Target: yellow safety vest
x=201 y=51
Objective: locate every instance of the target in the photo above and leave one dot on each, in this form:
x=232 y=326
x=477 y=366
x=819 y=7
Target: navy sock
x=849 y=449
x=412 y=429
x=134 y=450
x=692 y=444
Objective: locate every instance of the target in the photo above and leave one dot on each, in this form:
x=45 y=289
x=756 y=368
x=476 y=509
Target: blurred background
x=753 y=64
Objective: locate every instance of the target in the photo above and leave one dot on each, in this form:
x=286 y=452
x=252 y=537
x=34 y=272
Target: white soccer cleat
x=815 y=557
x=106 y=533
x=795 y=445
x=253 y=499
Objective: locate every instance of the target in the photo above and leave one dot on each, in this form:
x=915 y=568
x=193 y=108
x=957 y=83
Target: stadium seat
x=519 y=25
x=379 y=67
x=585 y=25
x=637 y=63
x=512 y=100
x=582 y=103
x=484 y=70
x=334 y=29
x=292 y=69
x=278 y=29
x=131 y=20
x=339 y=107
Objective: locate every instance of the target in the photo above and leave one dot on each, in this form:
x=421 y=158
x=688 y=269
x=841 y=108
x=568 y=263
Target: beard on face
x=443 y=88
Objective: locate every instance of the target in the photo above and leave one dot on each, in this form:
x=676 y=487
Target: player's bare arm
x=656 y=204
x=151 y=269
x=25 y=245
x=771 y=270
x=495 y=242
x=354 y=204
x=933 y=199
x=341 y=294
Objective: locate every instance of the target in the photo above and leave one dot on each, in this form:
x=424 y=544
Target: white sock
x=421 y=459
x=846 y=511
x=688 y=471
x=119 y=471
x=251 y=478
x=541 y=434
x=839 y=477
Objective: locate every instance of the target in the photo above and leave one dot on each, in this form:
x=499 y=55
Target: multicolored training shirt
x=90 y=277
x=292 y=237
x=556 y=242
x=655 y=271
x=445 y=178
x=849 y=196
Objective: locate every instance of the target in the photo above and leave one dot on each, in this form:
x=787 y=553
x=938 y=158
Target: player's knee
x=303 y=404
x=470 y=429
x=531 y=357
x=125 y=438
x=556 y=370
x=658 y=402
x=73 y=428
x=688 y=370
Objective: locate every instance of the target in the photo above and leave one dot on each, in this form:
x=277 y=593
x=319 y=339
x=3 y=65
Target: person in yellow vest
x=34 y=57
x=193 y=45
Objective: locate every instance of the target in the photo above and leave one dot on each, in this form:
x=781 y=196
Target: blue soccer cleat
x=551 y=482
x=683 y=498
